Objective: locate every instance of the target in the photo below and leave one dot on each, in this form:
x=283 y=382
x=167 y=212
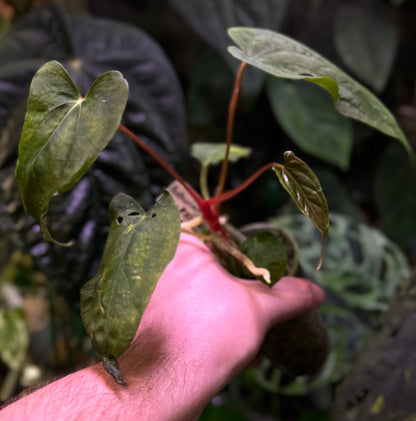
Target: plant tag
x=187 y=206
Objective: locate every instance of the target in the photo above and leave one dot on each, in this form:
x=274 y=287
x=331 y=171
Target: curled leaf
x=64 y=133
x=266 y=250
x=138 y=248
x=298 y=179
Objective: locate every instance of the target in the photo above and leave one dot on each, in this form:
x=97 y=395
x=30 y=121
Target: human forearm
x=202 y=326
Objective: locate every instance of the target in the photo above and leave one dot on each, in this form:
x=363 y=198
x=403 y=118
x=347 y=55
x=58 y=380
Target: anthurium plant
x=64 y=133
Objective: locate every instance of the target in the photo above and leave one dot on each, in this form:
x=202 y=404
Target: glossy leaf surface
x=138 y=248
x=305 y=190
x=284 y=57
x=64 y=133
x=265 y=250
x=213 y=153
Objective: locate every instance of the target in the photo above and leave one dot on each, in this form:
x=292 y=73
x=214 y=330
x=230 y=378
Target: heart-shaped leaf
x=138 y=248
x=87 y=47
x=64 y=133
x=284 y=57
x=304 y=188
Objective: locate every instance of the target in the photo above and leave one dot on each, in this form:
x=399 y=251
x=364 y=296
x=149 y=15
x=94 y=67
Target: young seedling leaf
x=284 y=57
x=64 y=133
x=304 y=188
x=138 y=248
x=213 y=153
x=265 y=250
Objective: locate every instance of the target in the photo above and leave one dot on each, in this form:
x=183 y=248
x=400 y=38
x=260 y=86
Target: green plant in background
x=304 y=112
x=46 y=166
x=58 y=146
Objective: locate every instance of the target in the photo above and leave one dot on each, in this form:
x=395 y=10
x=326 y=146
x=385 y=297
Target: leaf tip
x=110 y=365
x=48 y=236
x=321 y=260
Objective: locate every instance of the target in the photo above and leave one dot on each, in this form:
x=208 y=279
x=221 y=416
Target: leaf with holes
x=284 y=57
x=64 y=133
x=138 y=248
x=306 y=192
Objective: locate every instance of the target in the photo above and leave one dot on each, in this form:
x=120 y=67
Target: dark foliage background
x=174 y=55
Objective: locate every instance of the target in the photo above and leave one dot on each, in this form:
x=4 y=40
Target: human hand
x=202 y=326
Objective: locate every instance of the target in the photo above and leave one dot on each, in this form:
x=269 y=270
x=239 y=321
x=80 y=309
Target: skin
x=201 y=328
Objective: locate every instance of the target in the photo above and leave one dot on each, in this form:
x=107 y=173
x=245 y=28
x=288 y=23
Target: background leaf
x=284 y=57
x=64 y=133
x=14 y=337
x=362 y=272
x=212 y=18
x=138 y=248
x=395 y=196
x=366 y=41
x=308 y=117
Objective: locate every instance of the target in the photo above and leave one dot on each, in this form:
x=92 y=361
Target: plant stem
x=203 y=182
x=162 y=163
x=231 y=193
x=230 y=128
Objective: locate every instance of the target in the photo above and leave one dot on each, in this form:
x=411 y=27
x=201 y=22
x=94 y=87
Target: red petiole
x=210 y=208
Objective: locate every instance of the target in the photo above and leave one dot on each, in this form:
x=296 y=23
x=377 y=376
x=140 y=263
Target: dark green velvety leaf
x=64 y=133
x=265 y=250
x=284 y=57
x=309 y=118
x=305 y=190
x=138 y=248
x=366 y=41
x=88 y=47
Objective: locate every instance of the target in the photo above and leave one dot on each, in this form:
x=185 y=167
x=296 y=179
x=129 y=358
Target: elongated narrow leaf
x=284 y=57
x=213 y=153
x=64 y=133
x=305 y=190
x=138 y=248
